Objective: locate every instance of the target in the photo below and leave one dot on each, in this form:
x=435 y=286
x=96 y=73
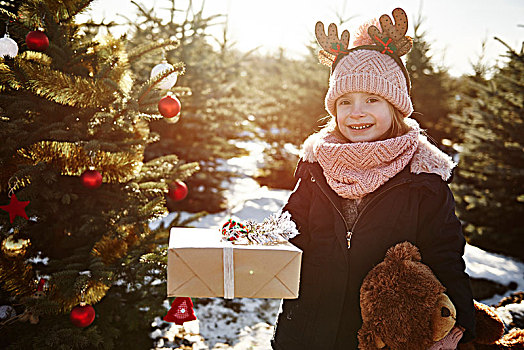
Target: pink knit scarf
x=353 y=170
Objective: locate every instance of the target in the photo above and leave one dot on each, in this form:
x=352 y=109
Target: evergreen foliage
x=214 y=116
x=288 y=106
x=489 y=181
x=431 y=89
x=63 y=111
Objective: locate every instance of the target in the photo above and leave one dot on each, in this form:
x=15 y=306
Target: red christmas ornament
x=169 y=106
x=15 y=208
x=40 y=289
x=181 y=311
x=36 y=40
x=177 y=191
x=82 y=315
x=91 y=179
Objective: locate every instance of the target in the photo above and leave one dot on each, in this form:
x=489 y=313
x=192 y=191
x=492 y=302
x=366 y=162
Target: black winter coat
x=418 y=208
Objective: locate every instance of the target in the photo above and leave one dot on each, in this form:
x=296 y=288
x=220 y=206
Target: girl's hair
x=398 y=125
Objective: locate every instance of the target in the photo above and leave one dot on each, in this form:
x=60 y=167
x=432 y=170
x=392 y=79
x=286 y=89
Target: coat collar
x=427 y=158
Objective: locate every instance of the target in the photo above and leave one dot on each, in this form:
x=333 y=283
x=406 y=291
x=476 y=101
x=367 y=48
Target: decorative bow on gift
x=276 y=229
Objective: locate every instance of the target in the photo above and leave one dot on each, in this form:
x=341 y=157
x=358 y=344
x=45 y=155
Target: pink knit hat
x=373 y=72
x=374 y=66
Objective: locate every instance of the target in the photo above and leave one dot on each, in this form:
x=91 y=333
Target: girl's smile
x=362 y=116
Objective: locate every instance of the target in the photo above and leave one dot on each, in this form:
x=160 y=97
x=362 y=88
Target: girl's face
x=362 y=116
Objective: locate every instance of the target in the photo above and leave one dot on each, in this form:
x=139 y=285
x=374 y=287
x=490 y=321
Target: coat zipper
x=348 y=232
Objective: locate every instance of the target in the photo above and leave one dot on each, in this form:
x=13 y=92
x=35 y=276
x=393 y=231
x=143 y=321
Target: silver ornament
x=8 y=47
x=169 y=81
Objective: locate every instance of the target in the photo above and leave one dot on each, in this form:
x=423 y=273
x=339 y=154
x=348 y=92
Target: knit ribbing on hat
x=373 y=72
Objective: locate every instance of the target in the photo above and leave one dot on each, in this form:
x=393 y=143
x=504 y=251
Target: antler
x=393 y=37
x=331 y=43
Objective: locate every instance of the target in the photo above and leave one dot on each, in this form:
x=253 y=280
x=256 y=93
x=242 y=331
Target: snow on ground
x=247 y=323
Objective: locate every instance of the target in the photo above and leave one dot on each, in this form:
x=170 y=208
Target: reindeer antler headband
x=391 y=41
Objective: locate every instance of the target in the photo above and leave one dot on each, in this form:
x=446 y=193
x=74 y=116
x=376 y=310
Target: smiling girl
x=368 y=180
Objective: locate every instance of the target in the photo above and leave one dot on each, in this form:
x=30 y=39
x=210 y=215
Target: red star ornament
x=15 y=208
x=181 y=311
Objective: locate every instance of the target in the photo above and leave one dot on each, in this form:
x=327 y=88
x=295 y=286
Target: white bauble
x=8 y=47
x=169 y=81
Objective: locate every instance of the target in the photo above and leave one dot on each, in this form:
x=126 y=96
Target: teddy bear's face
x=443 y=318
x=403 y=304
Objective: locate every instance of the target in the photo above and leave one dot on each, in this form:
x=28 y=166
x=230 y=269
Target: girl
x=367 y=181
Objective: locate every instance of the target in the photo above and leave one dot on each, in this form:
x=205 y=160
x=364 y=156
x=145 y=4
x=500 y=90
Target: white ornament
x=8 y=47
x=169 y=81
x=6 y=312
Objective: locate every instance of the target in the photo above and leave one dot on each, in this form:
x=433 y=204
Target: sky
x=455 y=29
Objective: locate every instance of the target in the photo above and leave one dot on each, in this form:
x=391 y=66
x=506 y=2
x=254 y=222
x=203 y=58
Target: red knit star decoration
x=15 y=208
x=181 y=311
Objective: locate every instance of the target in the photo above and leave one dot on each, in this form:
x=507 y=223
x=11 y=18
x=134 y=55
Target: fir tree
x=489 y=182
x=288 y=106
x=69 y=109
x=214 y=115
x=431 y=89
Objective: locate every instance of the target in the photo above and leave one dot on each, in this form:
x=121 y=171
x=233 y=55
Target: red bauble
x=177 y=191
x=82 y=315
x=36 y=40
x=181 y=311
x=91 y=179
x=169 y=106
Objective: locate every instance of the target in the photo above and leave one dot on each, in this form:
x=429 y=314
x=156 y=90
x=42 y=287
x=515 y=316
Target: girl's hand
x=450 y=341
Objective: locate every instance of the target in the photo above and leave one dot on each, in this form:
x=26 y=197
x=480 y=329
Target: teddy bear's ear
x=403 y=251
x=489 y=327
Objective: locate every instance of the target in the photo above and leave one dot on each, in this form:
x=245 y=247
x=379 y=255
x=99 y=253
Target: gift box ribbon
x=229 y=273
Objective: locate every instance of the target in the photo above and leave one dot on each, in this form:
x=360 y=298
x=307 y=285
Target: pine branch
x=152 y=83
x=58 y=11
x=146 y=49
x=72 y=159
x=66 y=89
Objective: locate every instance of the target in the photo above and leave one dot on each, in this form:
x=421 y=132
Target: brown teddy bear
x=404 y=307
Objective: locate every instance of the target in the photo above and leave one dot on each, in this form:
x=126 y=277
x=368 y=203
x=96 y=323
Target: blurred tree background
x=489 y=181
x=288 y=106
x=432 y=90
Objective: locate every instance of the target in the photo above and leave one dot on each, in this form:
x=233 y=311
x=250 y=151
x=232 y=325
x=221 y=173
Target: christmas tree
x=489 y=181
x=215 y=113
x=79 y=265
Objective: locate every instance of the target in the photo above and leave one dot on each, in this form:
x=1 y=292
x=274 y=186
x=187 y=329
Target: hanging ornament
x=40 y=293
x=7 y=312
x=15 y=208
x=13 y=248
x=82 y=315
x=8 y=47
x=91 y=179
x=169 y=81
x=177 y=191
x=36 y=40
x=181 y=311
x=169 y=106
